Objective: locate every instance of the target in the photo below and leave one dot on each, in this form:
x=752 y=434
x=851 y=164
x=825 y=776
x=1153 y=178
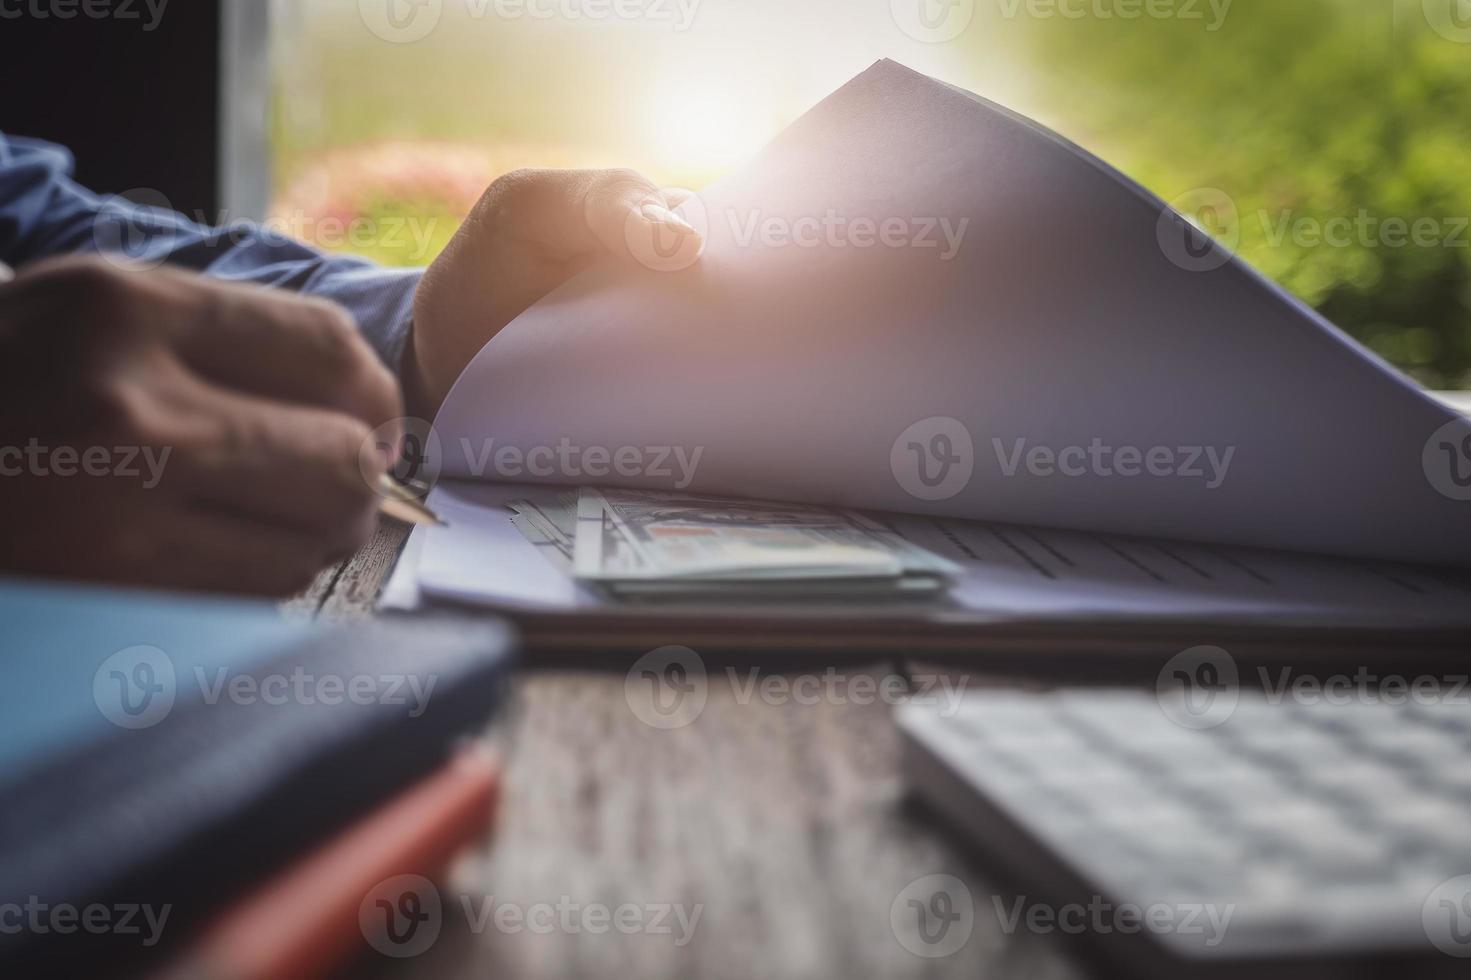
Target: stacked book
x=233 y=784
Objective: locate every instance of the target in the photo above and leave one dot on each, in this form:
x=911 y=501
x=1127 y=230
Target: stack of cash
x=654 y=544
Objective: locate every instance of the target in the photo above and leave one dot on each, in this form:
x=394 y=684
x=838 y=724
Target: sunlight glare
x=708 y=129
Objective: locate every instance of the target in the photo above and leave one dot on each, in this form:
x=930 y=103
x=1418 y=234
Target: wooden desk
x=784 y=822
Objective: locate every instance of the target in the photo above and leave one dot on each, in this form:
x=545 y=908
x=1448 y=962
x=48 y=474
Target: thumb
x=632 y=218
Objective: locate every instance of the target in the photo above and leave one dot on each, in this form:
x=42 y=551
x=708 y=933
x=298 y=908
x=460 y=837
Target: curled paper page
x=914 y=300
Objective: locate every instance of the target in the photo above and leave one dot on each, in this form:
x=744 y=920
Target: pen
x=401 y=501
x=397 y=500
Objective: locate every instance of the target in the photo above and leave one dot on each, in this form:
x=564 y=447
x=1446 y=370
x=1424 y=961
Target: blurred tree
x=1340 y=129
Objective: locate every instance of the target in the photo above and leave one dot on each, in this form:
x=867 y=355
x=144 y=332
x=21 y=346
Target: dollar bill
x=553 y=515
x=649 y=545
x=683 y=538
x=555 y=551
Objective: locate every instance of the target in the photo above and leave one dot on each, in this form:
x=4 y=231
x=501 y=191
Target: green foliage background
x=1301 y=111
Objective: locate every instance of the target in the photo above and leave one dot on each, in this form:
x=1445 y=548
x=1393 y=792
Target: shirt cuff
x=382 y=302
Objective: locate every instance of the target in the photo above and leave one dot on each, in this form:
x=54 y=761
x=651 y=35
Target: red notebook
x=341 y=900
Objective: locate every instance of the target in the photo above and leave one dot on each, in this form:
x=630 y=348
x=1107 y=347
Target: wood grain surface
x=768 y=835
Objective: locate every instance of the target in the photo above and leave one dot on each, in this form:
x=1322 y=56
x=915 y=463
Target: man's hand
x=530 y=232
x=161 y=428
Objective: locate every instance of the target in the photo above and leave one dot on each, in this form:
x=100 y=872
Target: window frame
x=244 y=110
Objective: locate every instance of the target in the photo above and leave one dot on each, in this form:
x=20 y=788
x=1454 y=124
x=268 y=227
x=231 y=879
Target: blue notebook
x=163 y=753
x=58 y=638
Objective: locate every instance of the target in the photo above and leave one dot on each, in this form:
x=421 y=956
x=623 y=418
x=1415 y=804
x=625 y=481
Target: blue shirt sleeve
x=43 y=212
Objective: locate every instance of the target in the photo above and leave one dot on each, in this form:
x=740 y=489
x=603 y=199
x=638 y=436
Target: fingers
x=266 y=342
x=164 y=543
x=623 y=209
x=570 y=213
x=308 y=469
x=217 y=551
x=277 y=345
x=250 y=412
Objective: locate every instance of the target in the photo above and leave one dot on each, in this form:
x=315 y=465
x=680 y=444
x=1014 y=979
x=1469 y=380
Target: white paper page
x=1050 y=574
x=401 y=592
x=1008 y=573
x=1068 y=317
x=480 y=557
